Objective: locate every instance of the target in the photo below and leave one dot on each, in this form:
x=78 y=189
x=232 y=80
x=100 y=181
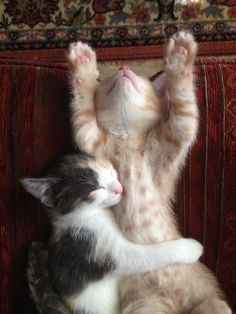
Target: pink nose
x=124 y=69
x=116 y=188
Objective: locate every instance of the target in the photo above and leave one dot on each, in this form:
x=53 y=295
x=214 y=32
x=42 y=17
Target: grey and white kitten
x=87 y=253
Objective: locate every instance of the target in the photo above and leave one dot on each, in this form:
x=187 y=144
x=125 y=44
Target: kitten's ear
x=40 y=188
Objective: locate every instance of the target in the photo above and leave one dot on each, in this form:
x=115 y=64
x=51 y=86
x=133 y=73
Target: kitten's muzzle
x=123 y=70
x=115 y=188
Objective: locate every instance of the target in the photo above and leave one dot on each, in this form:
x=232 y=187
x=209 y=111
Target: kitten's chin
x=111 y=201
x=104 y=199
x=132 y=125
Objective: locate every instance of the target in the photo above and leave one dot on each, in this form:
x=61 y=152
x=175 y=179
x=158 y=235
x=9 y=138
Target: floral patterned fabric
x=112 y=23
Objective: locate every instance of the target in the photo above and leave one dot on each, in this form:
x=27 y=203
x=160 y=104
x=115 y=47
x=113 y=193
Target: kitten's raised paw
x=180 y=54
x=81 y=52
x=82 y=61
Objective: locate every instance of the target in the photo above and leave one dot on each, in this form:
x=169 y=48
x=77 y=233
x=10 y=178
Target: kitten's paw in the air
x=180 y=54
x=82 y=61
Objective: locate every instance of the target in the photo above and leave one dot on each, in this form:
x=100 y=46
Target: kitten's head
x=126 y=102
x=76 y=182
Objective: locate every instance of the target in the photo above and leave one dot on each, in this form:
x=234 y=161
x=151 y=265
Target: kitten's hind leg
x=46 y=299
x=215 y=306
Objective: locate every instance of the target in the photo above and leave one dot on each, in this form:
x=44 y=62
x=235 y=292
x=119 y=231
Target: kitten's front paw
x=188 y=250
x=82 y=61
x=180 y=54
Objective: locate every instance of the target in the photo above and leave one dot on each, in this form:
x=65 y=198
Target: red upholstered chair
x=35 y=128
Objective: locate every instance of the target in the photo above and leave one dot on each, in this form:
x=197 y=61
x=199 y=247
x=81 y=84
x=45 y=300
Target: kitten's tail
x=45 y=298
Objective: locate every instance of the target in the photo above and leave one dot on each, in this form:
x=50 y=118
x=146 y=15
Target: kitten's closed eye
x=75 y=182
x=110 y=190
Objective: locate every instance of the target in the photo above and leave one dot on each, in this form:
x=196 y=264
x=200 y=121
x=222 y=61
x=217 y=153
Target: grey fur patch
x=68 y=182
x=45 y=298
x=72 y=262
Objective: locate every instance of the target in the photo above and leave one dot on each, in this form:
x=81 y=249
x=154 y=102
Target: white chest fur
x=100 y=297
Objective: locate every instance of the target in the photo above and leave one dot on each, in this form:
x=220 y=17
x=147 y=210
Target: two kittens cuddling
x=103 y=233
x=88 y=254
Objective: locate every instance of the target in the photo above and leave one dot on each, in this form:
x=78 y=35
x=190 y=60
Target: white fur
x=99 y=297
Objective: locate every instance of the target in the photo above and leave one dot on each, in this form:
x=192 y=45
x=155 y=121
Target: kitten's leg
x=84 y=74
x=215 y=306
x=178 y=130
x=183 y=113
x=46 y=299
x=142 y=258
x=131 y=258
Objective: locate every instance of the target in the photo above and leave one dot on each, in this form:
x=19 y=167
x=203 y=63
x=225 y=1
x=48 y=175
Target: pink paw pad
x=82 y=59
x=181 y=50
x=185 y=72
x=79 y=81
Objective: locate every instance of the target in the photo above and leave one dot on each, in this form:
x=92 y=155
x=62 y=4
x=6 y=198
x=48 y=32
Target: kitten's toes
x=81 y=53
x=83 y=65
x=180 y=53
x=82 y=59
x=186 y=41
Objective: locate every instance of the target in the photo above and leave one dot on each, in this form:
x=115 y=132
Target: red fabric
x=119 y=53
x=207 y=192
x=35 y=128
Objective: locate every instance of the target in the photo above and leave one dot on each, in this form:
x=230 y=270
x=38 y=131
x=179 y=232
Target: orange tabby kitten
x=147 y=137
